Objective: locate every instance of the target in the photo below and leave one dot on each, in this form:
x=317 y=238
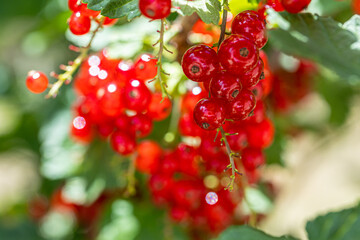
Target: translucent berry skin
x=141 y=125
x=148 y=156
x=242 y=106
x=252 y=158
x=74 y=5
x=123 y=143
x=209 y=114
x=260 y=135
x=200 y=63
x=155 y=9
x=225 y=86
x=159 y=108
x=145 y=67
x=250 y=24
x=295 y=6
x=79 y=24
x=36 y=82
x=238 y=54
x=137 y=96
x=252 y=77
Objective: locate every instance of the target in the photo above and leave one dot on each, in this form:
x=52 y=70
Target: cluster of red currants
x=291 y=6
x=230 y=74
x=80 y=20
x=114 y=100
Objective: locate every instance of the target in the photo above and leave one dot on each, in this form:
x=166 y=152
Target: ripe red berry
x=238 y=54
x=237 y=141
x=188 y=127
x=111 y=99
x=225 y=86
x=83 y=132
x=191 y=98
x=145 y=67
x=159 y=107
x=155 y=9
x=356 y=6
x=109 y=21
x=200 y=63
x=141 y=125
x=258 y=114
x=252 y=77
x=187 y=193
x=252 y=158
x=36 y=82
x=242 y=106
x=79 y=24
x=276 y=5
x=260 y=135
x=88 y=12
x=295 y=6
x=209 y=114
x=250 y=24
x=137 y=96
x=123 y=142
x=74 y=5
x=148 y=156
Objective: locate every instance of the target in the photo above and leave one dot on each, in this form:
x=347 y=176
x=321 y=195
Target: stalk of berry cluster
x=71 y=68
x=231 y=154
x=160 y=70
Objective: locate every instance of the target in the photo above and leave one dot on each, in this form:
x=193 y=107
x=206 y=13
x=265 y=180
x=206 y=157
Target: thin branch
x=71 y=69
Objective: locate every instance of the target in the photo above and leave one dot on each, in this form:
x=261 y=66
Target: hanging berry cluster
x=80 y=20
x=115 y=101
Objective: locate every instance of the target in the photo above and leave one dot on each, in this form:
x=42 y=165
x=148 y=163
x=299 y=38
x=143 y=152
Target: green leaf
x=320 y=39
x=343 y=225
x=115 y=8
x=248 y=233
x=208 y=10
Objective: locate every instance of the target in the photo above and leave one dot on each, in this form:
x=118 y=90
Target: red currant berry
x=252 y=77
x=179 y=214
x=225 y=86
x=74 y=5
x=252 y=158
x=260 y=135
x=79 y=24
x=200 y=63
x=258 y=114
x=238 y=139
x=82 y=132
x=187 y=126
x=148 y=156
x=123 y=143
x=187 y=193
x=159 y=107
x=295 y=6
x=109 y=21
x=209 y=114
x=145 y=67
x=276 y=5
x=356 y=6
x=141 y=125
x=36 y=82
x=111 y=99
x=88 y=12
x=137 y=95
x=238 y=54
x=250 y=24
x=122 y=122
x=242 y=106
x=155 y=9
x=191 y=98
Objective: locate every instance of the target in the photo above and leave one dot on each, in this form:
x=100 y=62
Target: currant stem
x=70 y=69
x=231 y=158
x=159 y=60
x=223 y=23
